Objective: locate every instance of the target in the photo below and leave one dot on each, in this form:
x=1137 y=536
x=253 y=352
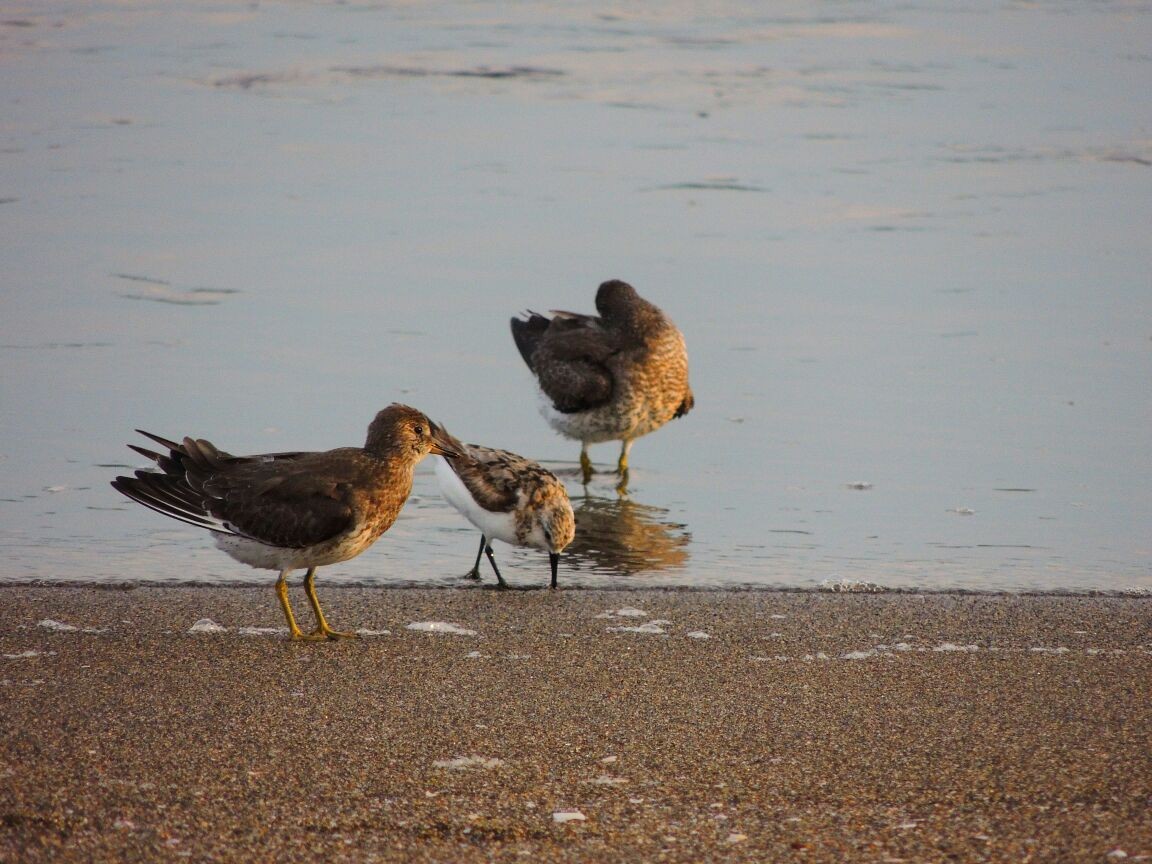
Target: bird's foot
x=329 y=633
x=586 y=469
x=314 y=636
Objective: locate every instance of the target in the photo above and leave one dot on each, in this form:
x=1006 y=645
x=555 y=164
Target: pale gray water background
x=909 y=246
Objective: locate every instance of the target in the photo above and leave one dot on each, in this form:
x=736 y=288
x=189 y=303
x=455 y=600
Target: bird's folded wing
x=488 y=476
x=281 y=508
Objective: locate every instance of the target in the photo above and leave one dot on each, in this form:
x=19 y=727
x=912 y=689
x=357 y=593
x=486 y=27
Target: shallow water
x=908 y=248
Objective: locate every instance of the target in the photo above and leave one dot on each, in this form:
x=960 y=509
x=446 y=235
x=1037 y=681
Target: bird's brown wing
x=570 y=358
x=291 y=502
x=292 y=499
x=495 y=478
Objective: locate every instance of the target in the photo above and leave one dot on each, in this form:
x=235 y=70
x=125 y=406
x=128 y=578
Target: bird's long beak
x=441 y=445
x=554 y=560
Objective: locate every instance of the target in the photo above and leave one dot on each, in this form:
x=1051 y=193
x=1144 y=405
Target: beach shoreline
x=574 y=726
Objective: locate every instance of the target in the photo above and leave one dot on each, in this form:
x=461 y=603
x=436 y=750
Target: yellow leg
x=622 y=467
x=282 y=593
x=585 y=464
x=322 y=631
x=622 y=464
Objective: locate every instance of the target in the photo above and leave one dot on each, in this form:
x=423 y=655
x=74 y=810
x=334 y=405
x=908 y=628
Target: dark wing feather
x=274 y=498
x=490 y=476
x=569 y=355
x=480 y=470
x=150 y=490
x=281 y=502
x=527 y=334
x=571 y=366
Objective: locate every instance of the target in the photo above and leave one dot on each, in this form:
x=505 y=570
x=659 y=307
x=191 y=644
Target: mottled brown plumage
x=612 y=377
x=509 y=498
x=286 y=511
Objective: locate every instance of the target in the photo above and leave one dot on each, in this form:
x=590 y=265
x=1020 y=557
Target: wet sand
x=806 y=727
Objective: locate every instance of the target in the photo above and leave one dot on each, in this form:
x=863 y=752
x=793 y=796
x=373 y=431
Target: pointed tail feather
x=155 y=498
x=527 y=334
x=687 y=405
x=203 y=454
x=163 y=442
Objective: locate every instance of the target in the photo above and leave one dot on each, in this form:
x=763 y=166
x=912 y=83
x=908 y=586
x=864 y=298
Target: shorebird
x=612 y=377
x=291 y=511
x=508 y=498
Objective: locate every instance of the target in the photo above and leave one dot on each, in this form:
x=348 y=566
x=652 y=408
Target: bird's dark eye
x=420 y=430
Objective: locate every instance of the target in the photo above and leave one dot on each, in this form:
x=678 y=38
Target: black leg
x=554 y=561
x=474 y=573
x=495 y=569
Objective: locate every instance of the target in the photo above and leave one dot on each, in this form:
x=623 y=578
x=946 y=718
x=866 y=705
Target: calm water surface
x=908 y=245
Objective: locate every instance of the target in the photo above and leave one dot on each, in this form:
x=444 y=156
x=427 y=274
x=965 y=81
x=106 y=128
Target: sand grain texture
x=807 y=727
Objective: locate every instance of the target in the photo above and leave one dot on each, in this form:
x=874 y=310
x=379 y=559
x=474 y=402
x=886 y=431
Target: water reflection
x=935 y=287
x=621 y=537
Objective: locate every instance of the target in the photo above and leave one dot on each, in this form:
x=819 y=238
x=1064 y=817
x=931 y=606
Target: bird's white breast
x=495 y=525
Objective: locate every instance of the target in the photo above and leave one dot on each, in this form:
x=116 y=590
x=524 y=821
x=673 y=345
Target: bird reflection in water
x=619 y=537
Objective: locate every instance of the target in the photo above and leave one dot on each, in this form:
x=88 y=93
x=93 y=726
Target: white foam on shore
x=259 y=631
x=626 y=612
x=440 y=627
x=56 y=626
x=29 y=653
x=851 y=586
x=61 y=627
x=364 y=631
x=891 y=652
x=698 y=634
x=652 y=628
x=207 y=625
x=463 y=763
x=562 y=816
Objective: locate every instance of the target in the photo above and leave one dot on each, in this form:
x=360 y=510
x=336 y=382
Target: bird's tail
x=527 y=332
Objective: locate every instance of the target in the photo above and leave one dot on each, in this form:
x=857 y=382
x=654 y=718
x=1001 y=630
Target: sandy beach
x=723 y=726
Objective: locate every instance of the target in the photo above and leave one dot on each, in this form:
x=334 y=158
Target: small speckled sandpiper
x=612 y=377
x=508 y=498
x=288 y=511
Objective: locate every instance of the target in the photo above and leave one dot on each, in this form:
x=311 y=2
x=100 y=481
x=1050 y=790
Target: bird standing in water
x=611 y=377
x=288 y=511
x=509 y=498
